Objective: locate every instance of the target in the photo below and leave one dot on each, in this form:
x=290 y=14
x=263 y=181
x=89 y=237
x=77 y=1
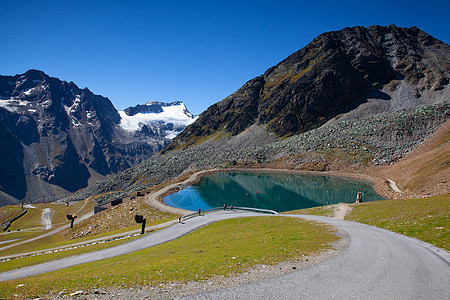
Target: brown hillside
x=424 y=171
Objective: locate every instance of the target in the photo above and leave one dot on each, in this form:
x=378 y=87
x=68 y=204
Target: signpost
x=140 y=219
x=71 y=218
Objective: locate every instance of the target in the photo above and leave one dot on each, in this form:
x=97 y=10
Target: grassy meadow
x=426 y=219
x=221 y=248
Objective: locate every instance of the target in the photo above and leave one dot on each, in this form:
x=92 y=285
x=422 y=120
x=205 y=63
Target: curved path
x=378 y=264
x=153 y=198
x=54 y=231
x=151 y=239
x=393 y=185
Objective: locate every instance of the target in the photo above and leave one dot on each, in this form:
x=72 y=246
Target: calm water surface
x=276 y=191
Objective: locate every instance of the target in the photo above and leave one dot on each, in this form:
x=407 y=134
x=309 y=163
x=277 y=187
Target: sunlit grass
x=106 y=223
x=30 y=225
x=221 y=248
x=37 y=259
x=427 y=219
x=318 y=210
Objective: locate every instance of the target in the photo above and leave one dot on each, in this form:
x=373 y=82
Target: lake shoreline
x=156 y=199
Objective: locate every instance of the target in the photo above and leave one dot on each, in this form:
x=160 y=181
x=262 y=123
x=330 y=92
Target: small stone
x=76 y=293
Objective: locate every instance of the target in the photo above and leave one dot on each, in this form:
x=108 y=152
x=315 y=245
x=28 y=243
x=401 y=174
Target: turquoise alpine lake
x=275 y=191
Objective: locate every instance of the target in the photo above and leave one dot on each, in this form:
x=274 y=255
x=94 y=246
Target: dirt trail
x=393 y=186
x=153 y=198
x=341 y=210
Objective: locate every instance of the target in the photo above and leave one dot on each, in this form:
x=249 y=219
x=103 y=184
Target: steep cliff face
x=55 y=138
x=363 y=70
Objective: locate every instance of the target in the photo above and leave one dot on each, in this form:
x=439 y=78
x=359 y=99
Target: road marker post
x=72 y=219
x=140 y=219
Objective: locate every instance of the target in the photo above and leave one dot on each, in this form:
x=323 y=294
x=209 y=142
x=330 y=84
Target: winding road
x=52 y=232
x=377 y=264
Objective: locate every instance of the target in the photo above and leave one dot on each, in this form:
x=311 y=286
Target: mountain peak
x=51 y=129
x=151 y=107
x=163 y=119
x=375 y=69
x=160 y=103
x=35 y=73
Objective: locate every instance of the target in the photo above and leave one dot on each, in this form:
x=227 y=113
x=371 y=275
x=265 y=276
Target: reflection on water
x=277 y=191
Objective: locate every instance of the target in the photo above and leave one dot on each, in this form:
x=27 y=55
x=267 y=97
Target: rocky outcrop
x=360 y=70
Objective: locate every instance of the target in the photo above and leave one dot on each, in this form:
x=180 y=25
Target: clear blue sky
x=197 y=52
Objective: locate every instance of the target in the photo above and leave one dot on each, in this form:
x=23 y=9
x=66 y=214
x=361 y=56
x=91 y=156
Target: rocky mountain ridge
x=51 y=129
x=356 y=71
x=341 y=145
x=350 y=99
x=165 y=120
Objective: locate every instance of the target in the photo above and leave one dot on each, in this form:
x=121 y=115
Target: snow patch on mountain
x=6 y=105
x=176 y=114
x=70 y=109
x=12 y=103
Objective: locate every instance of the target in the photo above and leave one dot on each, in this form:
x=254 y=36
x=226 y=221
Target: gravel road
x=377 y=264
x=152 y=239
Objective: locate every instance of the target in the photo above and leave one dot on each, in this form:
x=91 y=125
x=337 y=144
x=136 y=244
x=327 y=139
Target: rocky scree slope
x=355 y=97
x=349 y=73
x=380 y=139
x=56 y=138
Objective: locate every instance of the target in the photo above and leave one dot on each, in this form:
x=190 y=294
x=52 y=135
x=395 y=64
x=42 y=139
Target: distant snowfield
x=171 y=114
x=69 y=110
x=12 y=103
x=5 y=104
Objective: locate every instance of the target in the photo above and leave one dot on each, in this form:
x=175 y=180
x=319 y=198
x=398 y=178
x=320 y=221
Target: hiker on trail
x=359 y=197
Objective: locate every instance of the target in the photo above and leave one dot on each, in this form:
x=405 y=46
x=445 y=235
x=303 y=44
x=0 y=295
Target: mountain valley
x=371 y=104
x=51 y=129
x=349 y=100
